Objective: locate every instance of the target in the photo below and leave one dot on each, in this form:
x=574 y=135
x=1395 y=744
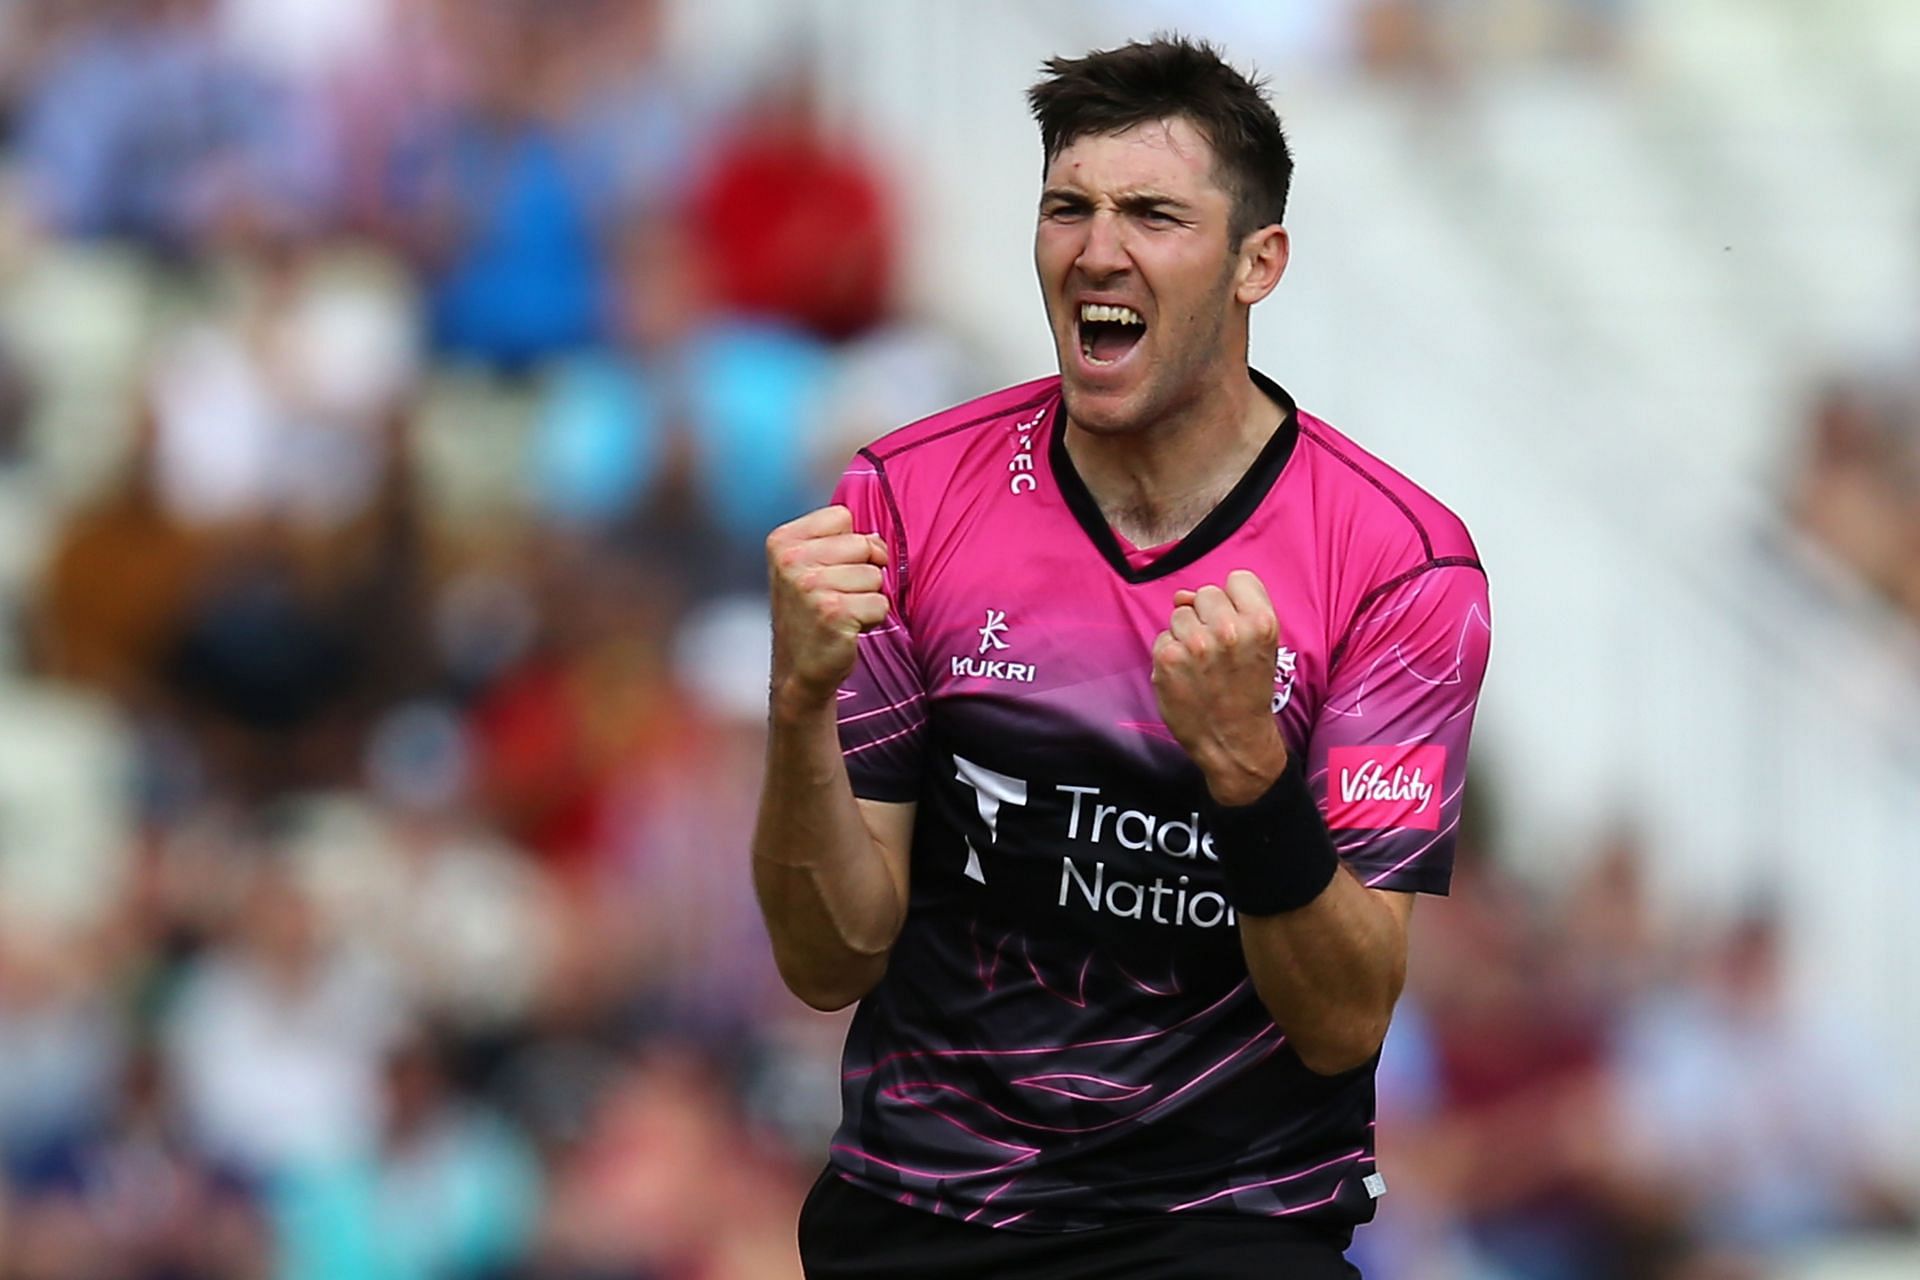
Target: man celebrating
x=1116 y=719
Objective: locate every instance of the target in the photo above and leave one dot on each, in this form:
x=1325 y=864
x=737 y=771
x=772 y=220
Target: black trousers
x=850 y=1234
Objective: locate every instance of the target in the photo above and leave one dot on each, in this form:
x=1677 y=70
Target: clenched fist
x=1213 y=679
x=824 y=582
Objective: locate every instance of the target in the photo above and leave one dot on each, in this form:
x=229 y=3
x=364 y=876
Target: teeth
x=1101 y=312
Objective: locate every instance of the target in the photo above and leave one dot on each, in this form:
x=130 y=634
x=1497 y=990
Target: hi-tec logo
x=990 y=634
x=1022 y=479
x=992 y=639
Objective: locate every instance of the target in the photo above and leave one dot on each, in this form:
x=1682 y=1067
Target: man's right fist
x=824 y=582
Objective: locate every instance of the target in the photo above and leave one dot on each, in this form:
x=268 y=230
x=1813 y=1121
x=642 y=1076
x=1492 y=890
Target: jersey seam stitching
x=1426 y=543
x=899 y=525
x=1393 y=584
x=1039 y=398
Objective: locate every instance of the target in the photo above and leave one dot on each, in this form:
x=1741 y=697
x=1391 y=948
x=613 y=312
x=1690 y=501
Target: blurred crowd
x=394 y=395
x=1578 y=1086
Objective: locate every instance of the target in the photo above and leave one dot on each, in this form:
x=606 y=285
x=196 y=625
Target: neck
x=1155 y=484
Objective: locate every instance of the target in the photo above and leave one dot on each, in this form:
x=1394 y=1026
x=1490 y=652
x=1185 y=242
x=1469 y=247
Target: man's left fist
x=1213 y=679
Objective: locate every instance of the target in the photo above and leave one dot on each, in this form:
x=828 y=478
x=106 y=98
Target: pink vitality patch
x=1384 y=786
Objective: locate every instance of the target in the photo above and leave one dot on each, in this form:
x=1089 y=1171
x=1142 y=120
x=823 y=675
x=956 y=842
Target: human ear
x=1263 y=260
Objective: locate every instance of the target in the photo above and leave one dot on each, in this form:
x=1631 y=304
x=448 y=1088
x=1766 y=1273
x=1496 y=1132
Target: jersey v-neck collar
x=1220 y=523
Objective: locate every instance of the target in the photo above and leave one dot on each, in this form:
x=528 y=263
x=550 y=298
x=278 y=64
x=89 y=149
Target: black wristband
x=1275 y=852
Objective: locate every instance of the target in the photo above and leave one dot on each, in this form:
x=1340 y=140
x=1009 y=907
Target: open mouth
x=1108 y=333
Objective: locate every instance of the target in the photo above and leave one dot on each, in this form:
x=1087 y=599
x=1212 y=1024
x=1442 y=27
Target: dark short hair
x=1114 y=89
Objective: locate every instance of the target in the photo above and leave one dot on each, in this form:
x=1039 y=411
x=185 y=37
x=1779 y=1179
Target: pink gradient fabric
x=1066 y=1030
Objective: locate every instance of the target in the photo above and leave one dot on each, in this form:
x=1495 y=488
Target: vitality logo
x=1383 y=786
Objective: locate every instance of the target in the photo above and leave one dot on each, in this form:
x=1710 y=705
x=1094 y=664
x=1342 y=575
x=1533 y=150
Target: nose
x=1104 y=252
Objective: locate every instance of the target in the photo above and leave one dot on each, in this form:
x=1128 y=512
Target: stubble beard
x=1174 y=384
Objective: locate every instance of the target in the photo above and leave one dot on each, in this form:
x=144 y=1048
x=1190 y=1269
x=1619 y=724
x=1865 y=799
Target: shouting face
x=1145 y=292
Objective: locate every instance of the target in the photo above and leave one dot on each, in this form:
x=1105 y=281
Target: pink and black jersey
x=1066 y=1034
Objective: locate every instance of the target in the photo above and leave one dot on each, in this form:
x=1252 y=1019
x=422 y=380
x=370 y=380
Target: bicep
x=890 y=823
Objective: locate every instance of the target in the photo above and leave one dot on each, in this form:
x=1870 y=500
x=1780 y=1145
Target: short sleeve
x=1387 y=757
x=883 y=703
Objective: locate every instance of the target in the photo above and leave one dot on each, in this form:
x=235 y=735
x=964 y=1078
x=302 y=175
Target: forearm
x=1327 y=955
x=832 y=905
x=1329 y=972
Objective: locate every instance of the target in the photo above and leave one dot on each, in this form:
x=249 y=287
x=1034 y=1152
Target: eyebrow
x=1129 y=202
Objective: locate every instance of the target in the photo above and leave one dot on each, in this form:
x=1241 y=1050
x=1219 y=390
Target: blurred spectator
x=278 y=1034
x=306 y=43
x=692 y=438
x=275 y=408
x=1746 y=1120
x=1513 y=1101
x=134 y=1199
x=451 y=1191
x=262 y=672
x=590 y=697
x=900 y=373
x=406 y=872
x=645 y=120
x=507 y=195
x=1439 y=40
x=699 y=948
x=1403 y=39
x=288 y=642
x=139 y=125
x=671 y=1187
x=16 y=405
x=62 y=1043
x=1610 y=947
x=1857 y=492
x=795 y=225
x=117 y=581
